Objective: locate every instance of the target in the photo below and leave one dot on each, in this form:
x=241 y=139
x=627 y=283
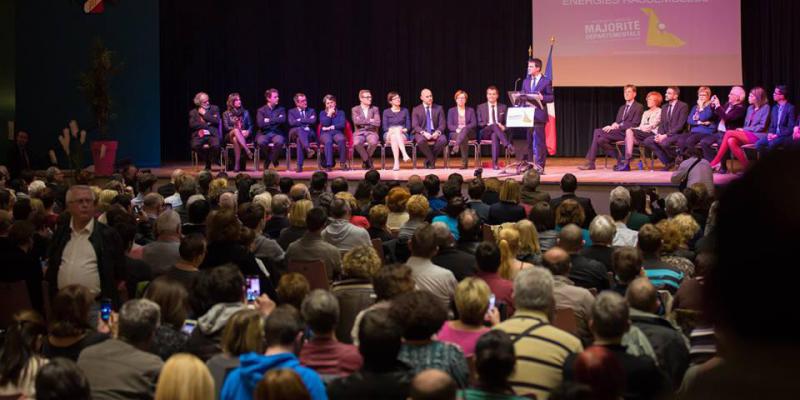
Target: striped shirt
x=541 y=351
x=664 y=277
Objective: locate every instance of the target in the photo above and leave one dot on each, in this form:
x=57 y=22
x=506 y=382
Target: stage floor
x=556 y=168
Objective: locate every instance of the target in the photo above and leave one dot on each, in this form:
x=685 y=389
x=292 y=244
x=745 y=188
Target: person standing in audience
x=474 y=308
x=122 y=367
x=756 y=121
x=702 y=121
x=366 y=120
x=302 y=123
x=427 y=125
x=670 y=131
x=382 y=376
x=331 y=131
x=492 y=124
x=396 y=125
x=602 y=231
x=184 y=376
x=782 y=121
x=541 y=348
x=585 y=272
x=323 y=352
x=461 y=123
x=238 y=126
x=283 y=333
x=541 y=88
x=311 y=246
x=629 y=115
x=647 y=127
x=204 y=124
x=22 y=264
x=427 y=275
x=269 y=118
x=243 y=333
x=20 y=358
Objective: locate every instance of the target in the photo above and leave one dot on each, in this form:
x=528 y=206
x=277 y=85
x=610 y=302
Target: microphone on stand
x=515 y=83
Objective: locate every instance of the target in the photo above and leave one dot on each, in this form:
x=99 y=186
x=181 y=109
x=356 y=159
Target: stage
x=556 y=168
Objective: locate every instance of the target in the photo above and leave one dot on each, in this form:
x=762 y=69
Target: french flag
x=550 y=128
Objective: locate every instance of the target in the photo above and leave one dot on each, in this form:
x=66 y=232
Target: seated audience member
x=530 y=193
x=609 y=322
x=281 y=384
x=782 y=121
x=472 y=304
x=487 y=257
x=285 y=184
x=460 y=263
x=388 y=283
x=432 y=188
x=418 y=208
x=702 y=121
x=173 y=300
x=569 y=185
x=597 y=372
x=428 y=276
x=184 y=376
x=602 y=231
x=421 y=316
x=22 y=264
x=163 y=252
x=378 y=216
x=293 y=289
x=122 y=367
x=670 y=346
x=662 y=274
x=756 y=122
x=647 y=128
x=529 y=248
x=62 y=379
x=20 y=358
x=571 y=212
x=312 y=246
x=495 y=359
x=317 y=185
x=627 y=264
x=192 y=251
x=620 y=211
x=675 y=236
x=535 y=336
x=69 y=327
x=585 y=272
x=382 y=375
x=566 y=294
x=475 y=190
x=675 y=204
x=323 y=353
x=670 y=131
x=356 y=217
x=508 y=240
x=507 y=209
x=469 y=231
x=396 y=201
x=355 y=292
x=297 y=223
x=253 y=216
x=432 y=384
x=338 y=184
x=544 y=219
x=279 y=220
x=340 y=232
x=198 y=209
x=282 y=331
x=243 y=333
x=224 y=244
x=629 y=115
x=639 y=213
x=455 y=206
x=690 y=294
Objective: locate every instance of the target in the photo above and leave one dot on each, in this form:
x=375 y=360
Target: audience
x=495 y=359
x=530 y=194
x=396 y=200
x=293 y=289
x=584 y=272
x=475 y=190
x=355 y=292
x=627 y=266
x=417 y=207
x=378 y=215
x=184 y=376
x=20 y=358
x=279 y=219
x=469 y=231
x=173 y=300
x=312 y=246
x=460 y=263
x=69 y=330
x=429 y=277
x=565 y=293
x=620 y=211
x=602 y=231
x=569 y=185
x=340 y=232
x=662 y=274
x=544 y=219
x=244 y=333
x=62 y=379
x=507 y=209
x=487 y=257
x=473 y=306
x=388 y=282
x=432 y=384
x=281 y=384
x=322 y=352
x=508 y=240
x=192 y=251
x=298 y=227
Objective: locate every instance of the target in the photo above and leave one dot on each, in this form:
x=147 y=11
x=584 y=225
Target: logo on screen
x=657 y=35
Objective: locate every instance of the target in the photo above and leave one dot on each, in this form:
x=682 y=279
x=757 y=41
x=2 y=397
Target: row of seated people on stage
x=426 y=126
x=492 y=288
x=721 y=129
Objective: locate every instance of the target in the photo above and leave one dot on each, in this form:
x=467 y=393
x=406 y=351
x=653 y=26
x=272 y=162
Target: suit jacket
x=228 y=121
x=545 y=87
x=483 y=114
x=296 y=119
x=210 y=121
x=585 y=202
x=419 y=119
x=19 y=159
x=707 y=115
x=470 y=121
x=734 y=118
x=459 y=262
x=674 y=125
x=632 y=118
x=277 y=117
x=787 y=120
x=371 y=123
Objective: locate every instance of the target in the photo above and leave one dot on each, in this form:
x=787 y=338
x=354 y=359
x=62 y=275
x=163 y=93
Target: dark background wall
x=6 y=72
x=53 y=41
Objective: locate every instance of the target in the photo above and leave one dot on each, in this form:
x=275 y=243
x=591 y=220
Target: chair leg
x=414 y=156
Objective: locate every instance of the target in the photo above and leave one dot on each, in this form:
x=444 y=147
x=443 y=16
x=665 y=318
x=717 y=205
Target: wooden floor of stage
x=556 y=168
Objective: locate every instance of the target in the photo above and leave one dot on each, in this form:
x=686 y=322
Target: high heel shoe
x=396 y=167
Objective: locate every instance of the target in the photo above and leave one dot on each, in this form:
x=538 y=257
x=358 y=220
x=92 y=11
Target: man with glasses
x=85 y=252
x=367 y=121
x=302 y=122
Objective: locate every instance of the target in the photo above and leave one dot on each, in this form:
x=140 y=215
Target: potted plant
x=95 y=85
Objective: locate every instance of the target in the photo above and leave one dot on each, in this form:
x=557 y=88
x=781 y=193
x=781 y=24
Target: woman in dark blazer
x=462 y=124
x=508 y=208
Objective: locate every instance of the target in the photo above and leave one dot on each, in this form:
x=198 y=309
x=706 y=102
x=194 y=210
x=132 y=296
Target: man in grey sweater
x=340 y=232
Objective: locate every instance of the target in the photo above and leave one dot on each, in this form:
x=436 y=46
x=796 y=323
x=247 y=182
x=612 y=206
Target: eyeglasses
x=366 y=97
x=81 y=201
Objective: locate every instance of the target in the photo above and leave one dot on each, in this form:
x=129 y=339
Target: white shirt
x=625 y=236
x=365 y=110
x=492 y=110
x=535 y=81
x=79 y=261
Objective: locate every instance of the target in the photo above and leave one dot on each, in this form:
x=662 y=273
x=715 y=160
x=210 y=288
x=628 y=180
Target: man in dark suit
x=541 y=87
x=269 y=119
x=19 y=155
x=629 y=115
x=674 y=114
x=302 y=121
x=585 y=272
x=427 y=124
x=459 y=262
x=204 y=124
x=782 y=121
x=569 y=184
x=492 y=124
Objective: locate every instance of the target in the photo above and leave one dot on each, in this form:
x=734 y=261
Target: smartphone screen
x=253 y=288
x=105 y=310
x=188 y=326
x=492 y=300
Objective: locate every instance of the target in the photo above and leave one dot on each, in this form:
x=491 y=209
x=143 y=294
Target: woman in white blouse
x=648 y=127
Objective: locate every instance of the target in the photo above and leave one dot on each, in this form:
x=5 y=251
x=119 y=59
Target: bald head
x=227 y=200
x=557 y=260
x=432 y=384
x=426 y=96
x=642 y=295
x=168 y=223
x=570 y=238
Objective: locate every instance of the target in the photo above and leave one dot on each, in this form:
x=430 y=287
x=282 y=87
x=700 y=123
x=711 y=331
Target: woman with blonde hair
x=508 y=240
x=244 y=333
x=417 y=207
x=529 y=249
x=297 y=223
x=472 y=303
x=508 y=208
x=184 y=377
